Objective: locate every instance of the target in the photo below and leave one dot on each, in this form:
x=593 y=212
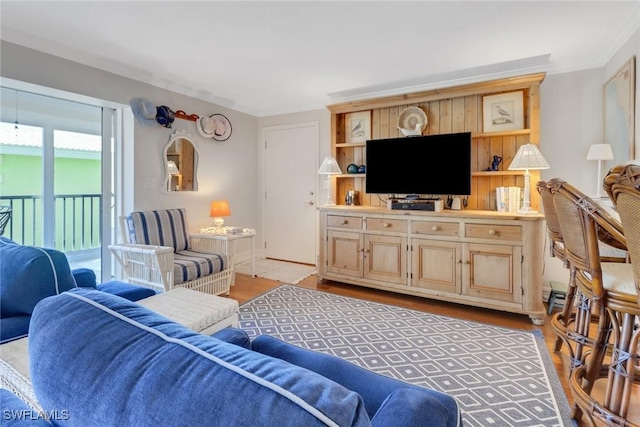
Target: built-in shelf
x=473 y=135
x=498 y=173
x=350 y=144
x=449 y=110
x=351 y=175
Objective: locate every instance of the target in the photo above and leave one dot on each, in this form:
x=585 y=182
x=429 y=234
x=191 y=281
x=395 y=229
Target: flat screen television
x=427 y=165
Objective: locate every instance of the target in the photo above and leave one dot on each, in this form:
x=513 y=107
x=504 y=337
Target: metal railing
x=77 y=221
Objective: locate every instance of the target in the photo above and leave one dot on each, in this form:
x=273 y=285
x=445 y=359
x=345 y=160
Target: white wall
x=226 y=169
x=571 y=120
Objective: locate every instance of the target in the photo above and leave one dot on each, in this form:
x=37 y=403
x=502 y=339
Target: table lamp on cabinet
x=528 y=158
x=329 y=167
x=600 y=152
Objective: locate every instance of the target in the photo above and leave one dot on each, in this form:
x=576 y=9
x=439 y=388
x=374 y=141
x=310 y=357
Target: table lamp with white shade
x=600 y=152
x=329 y=167
x=528 y=158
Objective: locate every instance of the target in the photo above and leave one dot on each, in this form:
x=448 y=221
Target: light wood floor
x=247 y=288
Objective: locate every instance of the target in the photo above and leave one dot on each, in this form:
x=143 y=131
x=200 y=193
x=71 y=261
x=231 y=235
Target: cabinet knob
x=345 y=222
x=386 y=225
x=458 y=261
x=435 y=228
x=492 y=232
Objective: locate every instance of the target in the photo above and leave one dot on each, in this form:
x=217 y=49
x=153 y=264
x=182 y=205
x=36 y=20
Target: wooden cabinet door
x=344 y=253
x=385 y=258
x=492 y=272
x=436 y=265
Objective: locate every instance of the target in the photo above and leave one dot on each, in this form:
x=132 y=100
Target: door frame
x=119 y=131
x=262 y=188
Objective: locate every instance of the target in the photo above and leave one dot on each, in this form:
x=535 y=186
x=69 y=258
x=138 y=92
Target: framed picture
x=358 y=127
x=619 y=111
x=503 y=112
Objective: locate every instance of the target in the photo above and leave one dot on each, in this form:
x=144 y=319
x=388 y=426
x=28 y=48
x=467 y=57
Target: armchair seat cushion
x=191 y=265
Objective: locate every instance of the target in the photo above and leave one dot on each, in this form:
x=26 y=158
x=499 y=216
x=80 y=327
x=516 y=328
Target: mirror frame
x=179 y=134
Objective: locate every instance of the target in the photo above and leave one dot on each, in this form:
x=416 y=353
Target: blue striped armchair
x=160 y=253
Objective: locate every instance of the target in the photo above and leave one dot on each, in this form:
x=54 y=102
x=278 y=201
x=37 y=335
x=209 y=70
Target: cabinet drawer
x=384 y=224
x=494 y=232
x=436 y=228
x=341 y=221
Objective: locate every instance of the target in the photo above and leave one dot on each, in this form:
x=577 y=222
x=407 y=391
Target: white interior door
x=290 y=187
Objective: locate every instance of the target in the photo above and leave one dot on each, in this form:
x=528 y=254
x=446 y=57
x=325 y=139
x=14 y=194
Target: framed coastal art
x=619 y=112
x=358 y=127
x=503 y=112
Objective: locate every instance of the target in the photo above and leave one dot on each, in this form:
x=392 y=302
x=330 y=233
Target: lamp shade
x=600 y=152
x=172 y=168
x=329 y=166
x=219 y=208
x=528 y=157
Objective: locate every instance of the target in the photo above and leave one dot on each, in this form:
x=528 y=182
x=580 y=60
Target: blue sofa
x=29 y=273
x=104 y=361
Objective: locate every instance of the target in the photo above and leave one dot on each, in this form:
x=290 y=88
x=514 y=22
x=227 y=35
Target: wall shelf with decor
x=465 y=108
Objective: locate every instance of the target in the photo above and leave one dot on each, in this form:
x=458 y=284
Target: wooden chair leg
x=568 y=304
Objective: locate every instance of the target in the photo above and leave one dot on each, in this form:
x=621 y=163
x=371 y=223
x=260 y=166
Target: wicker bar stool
x=622 y=307
x=583 y=223
x=556 y=249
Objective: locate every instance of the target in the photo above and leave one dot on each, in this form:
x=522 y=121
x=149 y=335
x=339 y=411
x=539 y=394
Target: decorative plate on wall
x=410 y=117
x=215 y=126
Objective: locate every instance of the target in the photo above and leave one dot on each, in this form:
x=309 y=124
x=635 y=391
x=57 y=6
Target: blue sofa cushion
x=29 y=274
x=373 y=387
x=111 y=362
x=16 y=413
x=85 y=277
x=14 y=327
x=166 y=227
x=234 y=336
x=126 y=290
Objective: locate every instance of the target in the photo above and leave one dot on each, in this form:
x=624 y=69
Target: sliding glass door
x=54 y=176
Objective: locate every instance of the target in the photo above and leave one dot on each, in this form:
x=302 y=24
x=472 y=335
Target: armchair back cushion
x=132 y=366
x=166 y=227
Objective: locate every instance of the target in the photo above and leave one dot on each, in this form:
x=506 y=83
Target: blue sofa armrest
x=84 y=277
x=408 y=407
x=374 y=388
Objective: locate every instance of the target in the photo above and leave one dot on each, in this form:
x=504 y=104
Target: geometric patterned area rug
x=500 y=376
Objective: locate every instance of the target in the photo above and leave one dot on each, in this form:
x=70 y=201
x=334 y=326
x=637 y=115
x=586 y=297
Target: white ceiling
x=267 y=57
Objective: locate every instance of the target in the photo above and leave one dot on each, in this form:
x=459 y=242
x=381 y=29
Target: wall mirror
x=180 y=156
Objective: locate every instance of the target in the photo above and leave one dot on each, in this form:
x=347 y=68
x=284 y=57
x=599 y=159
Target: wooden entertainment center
x=473 y=256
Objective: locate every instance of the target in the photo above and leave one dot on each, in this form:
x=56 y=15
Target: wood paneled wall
x=450 y=110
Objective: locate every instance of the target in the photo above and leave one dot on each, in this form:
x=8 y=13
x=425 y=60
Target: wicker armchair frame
x=153 y=266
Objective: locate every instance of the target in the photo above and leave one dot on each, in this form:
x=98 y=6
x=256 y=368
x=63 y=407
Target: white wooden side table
x=232 y=238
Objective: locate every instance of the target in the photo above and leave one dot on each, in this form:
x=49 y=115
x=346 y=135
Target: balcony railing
x=77 y=221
